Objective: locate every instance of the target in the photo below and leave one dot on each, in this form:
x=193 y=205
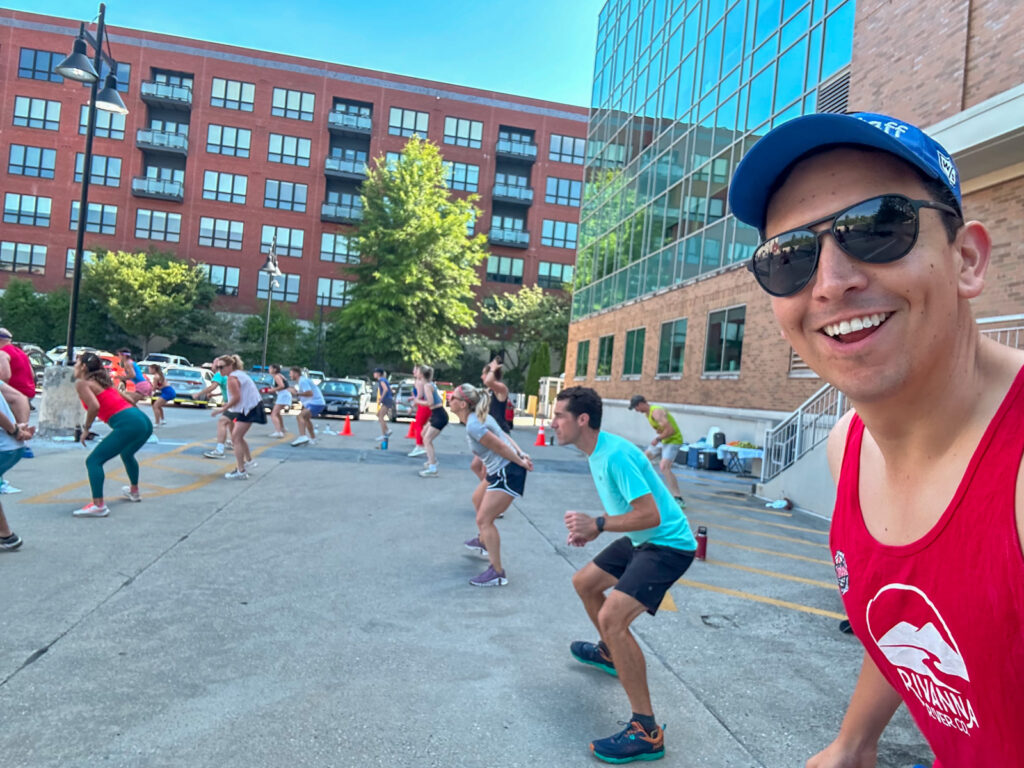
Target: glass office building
x=682 y=88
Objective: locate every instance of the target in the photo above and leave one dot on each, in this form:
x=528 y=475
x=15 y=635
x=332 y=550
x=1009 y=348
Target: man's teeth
x=856 y=324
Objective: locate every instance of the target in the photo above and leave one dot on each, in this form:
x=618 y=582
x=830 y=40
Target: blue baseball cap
x=780 y=148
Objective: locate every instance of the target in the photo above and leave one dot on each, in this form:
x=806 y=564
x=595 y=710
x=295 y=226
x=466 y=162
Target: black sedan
x=341 y=397
x=265 y=384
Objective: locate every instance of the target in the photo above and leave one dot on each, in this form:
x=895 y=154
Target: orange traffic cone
x=346 y=431
x=411 y=434
x=540 y=436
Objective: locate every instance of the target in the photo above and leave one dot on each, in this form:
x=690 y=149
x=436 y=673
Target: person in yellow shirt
x=666 y=443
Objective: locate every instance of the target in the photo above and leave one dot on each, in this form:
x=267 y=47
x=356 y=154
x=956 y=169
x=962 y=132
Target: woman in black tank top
x=491 y=378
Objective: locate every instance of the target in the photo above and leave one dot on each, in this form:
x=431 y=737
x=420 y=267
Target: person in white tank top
x=244 y=407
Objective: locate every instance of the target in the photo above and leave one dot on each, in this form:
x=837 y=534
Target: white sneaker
x=300 y=440
x=417 y=451
x=6 y=487
x=236 y=475
x=213 y=454
x=229 y=445
x=126 y=491
x=251 y=464
x=429 y=472
x=91 y=510
x=312 y=442
x=276 y=434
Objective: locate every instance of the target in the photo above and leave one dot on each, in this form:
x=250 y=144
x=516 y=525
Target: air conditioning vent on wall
x=834 y=94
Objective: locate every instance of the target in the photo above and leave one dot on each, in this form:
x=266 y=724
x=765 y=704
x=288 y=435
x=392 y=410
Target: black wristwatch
x=14 y=432
x=600 y=524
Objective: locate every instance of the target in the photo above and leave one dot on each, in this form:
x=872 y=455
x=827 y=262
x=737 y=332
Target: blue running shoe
x=632 y=743
x=26 y=452
x=594 y=655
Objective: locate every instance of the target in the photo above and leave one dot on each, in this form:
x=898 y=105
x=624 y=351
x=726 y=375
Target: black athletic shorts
x=510 y=479
x=438 y=418
x=646 y=572
x=255 y=416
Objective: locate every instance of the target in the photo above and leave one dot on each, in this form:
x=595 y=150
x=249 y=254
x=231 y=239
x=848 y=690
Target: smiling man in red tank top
x=871 y=268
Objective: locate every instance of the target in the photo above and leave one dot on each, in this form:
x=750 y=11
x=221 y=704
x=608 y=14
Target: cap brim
x=757 y=172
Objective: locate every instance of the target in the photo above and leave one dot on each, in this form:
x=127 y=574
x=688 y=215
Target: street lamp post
x=60 y=410
x=272 y=272
x=321 y=300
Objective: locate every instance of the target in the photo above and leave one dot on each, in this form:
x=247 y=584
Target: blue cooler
x=693 y=457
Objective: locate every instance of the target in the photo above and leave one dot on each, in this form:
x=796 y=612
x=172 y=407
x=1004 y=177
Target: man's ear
x=975 y=250
x=583 y=419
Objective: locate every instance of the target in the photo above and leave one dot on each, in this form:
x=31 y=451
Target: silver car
x=188 y=383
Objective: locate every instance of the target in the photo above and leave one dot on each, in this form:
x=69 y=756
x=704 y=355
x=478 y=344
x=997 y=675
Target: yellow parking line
x=744 y=518
x=774 y=574
x=771 y=552
x=721 y=527
x=763 y=599
x=667 y=603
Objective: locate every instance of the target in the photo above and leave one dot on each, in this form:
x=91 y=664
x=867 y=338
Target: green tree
x=523 y=320
x=540 y=366
x=145 y=294
x=413 y=294
x=38 y=318
x=288 y=343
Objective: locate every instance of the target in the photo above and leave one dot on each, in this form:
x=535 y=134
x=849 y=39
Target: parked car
x=39 y=360
x=404 y=409
x=317 y=377
x=165 y=360
x=188 y=383
x=343 y=397
x=59 y=353
x=264 y=383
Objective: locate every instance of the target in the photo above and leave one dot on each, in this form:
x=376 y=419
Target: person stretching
x=431 y=399
x=668 y=439
x=164 y=394
x=422 y=417
x=282 y=402
x=129 y=430
x=223 y=423
x=12 y=448
x=313 y=404
x=133 y=373
x=245 y=408
x=385 y=402
x=506 y=466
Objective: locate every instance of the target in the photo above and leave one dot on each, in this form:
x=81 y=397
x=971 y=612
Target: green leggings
x=130 y=429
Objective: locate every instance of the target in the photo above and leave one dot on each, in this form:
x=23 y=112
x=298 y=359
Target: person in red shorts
x=422 y=417
x=872 y=267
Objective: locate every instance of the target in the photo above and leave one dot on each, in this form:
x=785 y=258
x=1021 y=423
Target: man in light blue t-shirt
x=638 y=567
x=313 y=404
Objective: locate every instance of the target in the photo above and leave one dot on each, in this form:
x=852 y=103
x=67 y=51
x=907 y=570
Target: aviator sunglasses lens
x=878 y=231
x=784 y=264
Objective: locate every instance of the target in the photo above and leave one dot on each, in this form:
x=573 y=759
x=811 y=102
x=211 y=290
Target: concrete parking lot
x=319 y=615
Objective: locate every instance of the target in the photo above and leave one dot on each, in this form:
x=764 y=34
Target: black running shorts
x=438 y=418
x=510 y=479
x=646 y=572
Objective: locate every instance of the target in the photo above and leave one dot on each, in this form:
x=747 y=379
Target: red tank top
x=23 y=377
x=943 y=617
x=110 y=403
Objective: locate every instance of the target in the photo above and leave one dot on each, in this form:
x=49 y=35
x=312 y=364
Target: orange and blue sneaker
x=632 y=743
x=596 y=655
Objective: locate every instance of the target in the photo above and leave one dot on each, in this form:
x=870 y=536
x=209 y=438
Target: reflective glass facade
x=682 y=88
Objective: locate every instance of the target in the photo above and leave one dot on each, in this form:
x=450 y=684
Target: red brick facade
x=144 y=51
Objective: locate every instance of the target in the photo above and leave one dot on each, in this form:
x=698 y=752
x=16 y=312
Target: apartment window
x=232 y=94
x=157 y=225
x=27 y=209
x=176 y=175
x=223 y=279
x=37 y=113
x=558 y=234
x=124 y=75
x=31 y=161
x=582 y=358
x=289 y=241
x=297 y=105
x=406 y=122
x=567 y=149
x=285 y=287
x=38 y=65
x=343 y=249
x=106 y=171
x=109 y=125
x=462 y=132
x=471 y=223
x=605 y=347
x=515 y=135
x=180 y=79
x=290 y=150
x=551 y=274
x=69 y=263
x=671 y=348
x=100 y=218
x=331 y=292
x=22 y=257
x=563 y=191
x=725 y=340
x=507 y=222
x=220 y=233
x=465 y=176
x=285 y=195
x=391 y=159
x=227 y=140
x=511 y=180
x=505 y=269
x=226 y=187
x=351 y=108
x=633 y=362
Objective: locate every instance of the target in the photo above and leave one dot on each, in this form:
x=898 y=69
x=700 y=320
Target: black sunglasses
x=879 y=230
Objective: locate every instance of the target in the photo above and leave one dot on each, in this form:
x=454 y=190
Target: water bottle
x=384 y=444
x=702 y=542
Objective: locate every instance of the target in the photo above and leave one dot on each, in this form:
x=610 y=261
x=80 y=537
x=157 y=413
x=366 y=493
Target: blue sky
x=538 y=48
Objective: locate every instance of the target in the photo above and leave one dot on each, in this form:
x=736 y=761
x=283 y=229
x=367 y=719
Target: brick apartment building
x=225 y=147
x=664 y=304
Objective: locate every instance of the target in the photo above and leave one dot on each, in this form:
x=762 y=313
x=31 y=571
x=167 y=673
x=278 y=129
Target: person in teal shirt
x=638 y=568
x=223 y=422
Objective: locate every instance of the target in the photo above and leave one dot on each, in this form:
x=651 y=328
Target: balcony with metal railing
x=166 y=95
x=161 y=141
x=159 y=189
x=341 y=214
x=512 y=193
x=516 y=150
x=347 y=123
x=513 y=238
x=344 y=168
